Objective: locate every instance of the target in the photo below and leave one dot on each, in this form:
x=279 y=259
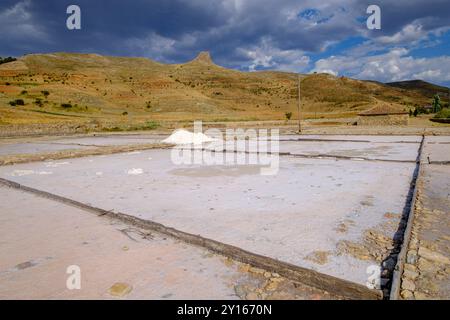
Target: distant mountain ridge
x=426 y=88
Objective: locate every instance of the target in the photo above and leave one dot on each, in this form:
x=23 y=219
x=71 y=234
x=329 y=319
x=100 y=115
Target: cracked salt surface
x=56 y=164
x=18 y=173
x=253 y=212
x=135 y=171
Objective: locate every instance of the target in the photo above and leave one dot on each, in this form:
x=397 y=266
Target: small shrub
x=124 y=113
x=443 y=114
x=38 y=102
x=20 y=102
x=24 y=92
x=45 y=93
x=12 y=103
x=66 y=105
x=288 y=115
x=6 y=60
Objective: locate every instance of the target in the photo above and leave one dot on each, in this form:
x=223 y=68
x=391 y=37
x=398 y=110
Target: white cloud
x=158 y=47
x=410 y=33
x=268 y=56
x=153 y=45
x=18 y=23
x=395 y=65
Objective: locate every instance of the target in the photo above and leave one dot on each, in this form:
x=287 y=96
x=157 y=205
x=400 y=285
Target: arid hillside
x=63 y=88
x=425 y=88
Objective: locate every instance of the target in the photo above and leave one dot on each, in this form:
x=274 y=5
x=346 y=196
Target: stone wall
x=426 y=273
x=384 y=120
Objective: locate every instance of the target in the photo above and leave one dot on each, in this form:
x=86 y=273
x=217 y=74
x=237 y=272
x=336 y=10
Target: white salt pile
x=182 y=136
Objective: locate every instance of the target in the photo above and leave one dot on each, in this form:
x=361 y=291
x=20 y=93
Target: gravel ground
x=427 y=268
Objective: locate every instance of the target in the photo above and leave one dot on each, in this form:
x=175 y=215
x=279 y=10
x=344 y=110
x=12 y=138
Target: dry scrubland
x=88 y=92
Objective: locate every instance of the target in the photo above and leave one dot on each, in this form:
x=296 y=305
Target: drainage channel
x=405 y=232
x=333 y=285
x=343 y=140
x=309 y=156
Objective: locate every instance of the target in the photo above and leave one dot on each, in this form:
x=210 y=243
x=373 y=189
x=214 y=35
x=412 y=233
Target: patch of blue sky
x=309 y=14
x=338 y=48
x=314 y=15
x=435 y=46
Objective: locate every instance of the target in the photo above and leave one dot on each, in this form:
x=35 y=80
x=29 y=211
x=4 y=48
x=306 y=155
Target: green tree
x=436 y=103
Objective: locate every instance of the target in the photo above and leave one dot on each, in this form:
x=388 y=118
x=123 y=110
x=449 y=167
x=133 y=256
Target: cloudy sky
x=292 y=35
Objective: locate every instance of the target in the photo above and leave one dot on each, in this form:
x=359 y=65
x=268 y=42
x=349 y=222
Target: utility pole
x=299 y=124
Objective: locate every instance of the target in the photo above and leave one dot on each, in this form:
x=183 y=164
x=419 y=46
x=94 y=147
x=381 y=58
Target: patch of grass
x=150 y=125
x=57 y=113
x=221 y=120
x=112 y=129
x=443 y=114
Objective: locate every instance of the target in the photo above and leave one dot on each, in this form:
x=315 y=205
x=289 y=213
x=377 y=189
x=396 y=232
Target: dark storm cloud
x=253 y=34
x=106 y=24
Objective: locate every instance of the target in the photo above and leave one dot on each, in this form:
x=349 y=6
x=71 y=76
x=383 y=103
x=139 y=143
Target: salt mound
x=182 y=136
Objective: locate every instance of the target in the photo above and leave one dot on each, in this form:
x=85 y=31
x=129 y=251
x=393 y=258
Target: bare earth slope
x=61 y=88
